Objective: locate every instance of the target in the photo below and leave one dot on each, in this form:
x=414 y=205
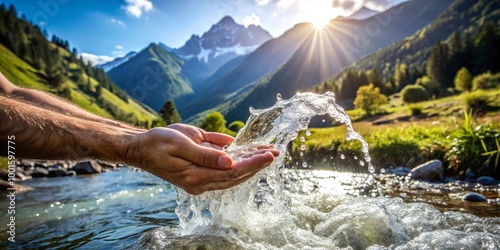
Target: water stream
x=267 y=212
x=280 y=208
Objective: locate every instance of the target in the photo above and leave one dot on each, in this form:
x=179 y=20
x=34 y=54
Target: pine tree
x=437 y=65
x=487 y=49
x=169 y=113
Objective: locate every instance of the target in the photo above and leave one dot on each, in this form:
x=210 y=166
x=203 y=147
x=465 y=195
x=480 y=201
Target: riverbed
x=131 y=209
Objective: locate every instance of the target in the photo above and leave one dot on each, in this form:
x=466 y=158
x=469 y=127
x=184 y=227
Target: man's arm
x=48 y=101
x=185 y=156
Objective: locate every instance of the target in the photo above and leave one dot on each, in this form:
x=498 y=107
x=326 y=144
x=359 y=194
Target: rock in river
x=87 y=167
x=429 y=171
x=486 y=180
x=474 y=197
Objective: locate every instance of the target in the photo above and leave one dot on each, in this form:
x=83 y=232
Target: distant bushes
x=416 y=109
x=486 y=81
x=414 y=93
x=476 y=100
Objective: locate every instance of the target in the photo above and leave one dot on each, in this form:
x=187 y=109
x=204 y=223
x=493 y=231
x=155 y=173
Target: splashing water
x=256 y=203
x=310 y=209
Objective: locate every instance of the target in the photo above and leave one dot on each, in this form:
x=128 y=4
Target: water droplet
x=225 y=148
x=279 y=97
x=302 y=139
x=308 y=133
x=303 y=147
x=371 y=169
x=323 y=120
x=362 y=163
x=382 y=170
x=304 y=164
x=37 y=215
x=342 y=156
x=355 y=157
x=301 y=154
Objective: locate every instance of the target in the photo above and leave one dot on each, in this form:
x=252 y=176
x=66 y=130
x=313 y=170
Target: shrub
x=463 y=80
x=473 y=148
x=369 y=99
x=486 y=81
x=416 y=109
x=236 y=126
x=414 y=93
x=476 y=100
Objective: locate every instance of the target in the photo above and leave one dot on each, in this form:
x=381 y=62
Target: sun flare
x=320 y=22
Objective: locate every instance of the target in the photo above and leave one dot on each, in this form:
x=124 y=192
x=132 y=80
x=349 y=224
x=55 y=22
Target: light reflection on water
x=125 y=208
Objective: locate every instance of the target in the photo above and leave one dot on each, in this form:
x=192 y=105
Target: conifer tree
x=169 y=113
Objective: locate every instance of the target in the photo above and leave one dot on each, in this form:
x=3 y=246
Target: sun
x=320 y=22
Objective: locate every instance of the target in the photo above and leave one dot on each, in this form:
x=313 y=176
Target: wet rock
x=87 y=167
x=108 y=165
x=57 y=170
x=486 y=180
x=474 y=197
x=39 y=172
x=429 y=171
x=401 y=171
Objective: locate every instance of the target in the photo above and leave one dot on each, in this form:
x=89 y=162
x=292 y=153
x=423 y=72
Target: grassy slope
x=404 y=140
x=25 y=75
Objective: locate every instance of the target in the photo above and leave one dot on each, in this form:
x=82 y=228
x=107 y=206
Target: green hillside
x=153 y=76
x=463 y=16
x=29 y=60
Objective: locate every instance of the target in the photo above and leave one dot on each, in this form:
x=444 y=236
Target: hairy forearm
x=44 y=134
x=54 y=103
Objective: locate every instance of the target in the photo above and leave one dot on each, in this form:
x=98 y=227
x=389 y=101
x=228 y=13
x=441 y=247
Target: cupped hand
x=192 y=159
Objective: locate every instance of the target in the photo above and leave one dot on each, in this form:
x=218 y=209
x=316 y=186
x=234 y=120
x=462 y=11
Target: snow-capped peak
x=117 y=62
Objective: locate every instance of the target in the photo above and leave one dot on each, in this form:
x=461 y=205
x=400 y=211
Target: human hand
x=191 y=158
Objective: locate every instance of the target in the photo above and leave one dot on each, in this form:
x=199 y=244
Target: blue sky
x=111 y=28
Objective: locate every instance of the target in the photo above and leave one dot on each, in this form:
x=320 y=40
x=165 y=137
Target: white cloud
x=96 y=59
x=119 y=22
x=251 y=19
x=285 y=4
x=119 y=47
x=262 y=2
x=137 y=7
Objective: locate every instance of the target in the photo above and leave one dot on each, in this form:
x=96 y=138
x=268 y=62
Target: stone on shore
x=429 y=171
x=39 y=172
x=87 y=167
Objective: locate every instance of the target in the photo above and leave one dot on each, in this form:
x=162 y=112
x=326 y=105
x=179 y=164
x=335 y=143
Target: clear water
x=128 y=209
x=278 y=209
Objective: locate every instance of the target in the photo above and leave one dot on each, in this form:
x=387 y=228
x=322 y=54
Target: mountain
x=463 y=16
x=241 y=77
x=224 y=41
x=117 y=62
x=362 y=13
x=153 y=76
x=319 y=55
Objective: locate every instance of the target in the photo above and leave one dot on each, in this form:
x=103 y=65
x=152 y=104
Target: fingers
x=204 y=156
x=218 y=139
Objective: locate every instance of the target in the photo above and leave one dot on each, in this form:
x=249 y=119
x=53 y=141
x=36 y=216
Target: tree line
x=31 y=44
x=463 y=62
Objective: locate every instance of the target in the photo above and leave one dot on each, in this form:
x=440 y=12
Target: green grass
x=3 y=163
x=20 y=72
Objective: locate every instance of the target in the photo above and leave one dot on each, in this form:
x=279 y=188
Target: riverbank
x=26 y=169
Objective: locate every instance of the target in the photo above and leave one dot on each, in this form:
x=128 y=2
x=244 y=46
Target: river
x=130 y=209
